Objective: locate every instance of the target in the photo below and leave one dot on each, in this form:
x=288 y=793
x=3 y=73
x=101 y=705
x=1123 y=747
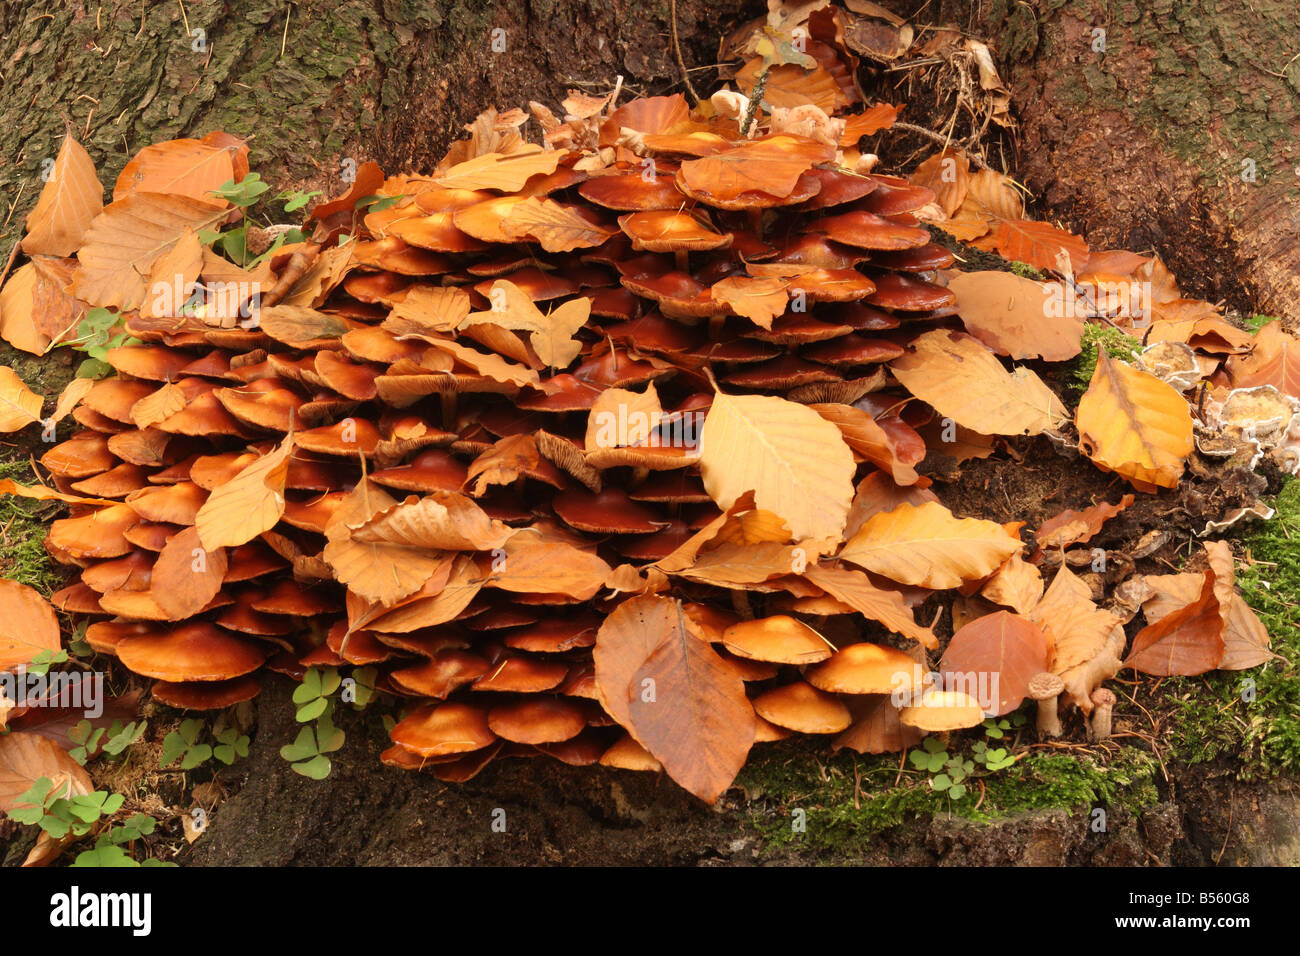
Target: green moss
x=786 y=778
x=1211 y=717
x=1026 y=271
x=1095 y=335
x=23 y=525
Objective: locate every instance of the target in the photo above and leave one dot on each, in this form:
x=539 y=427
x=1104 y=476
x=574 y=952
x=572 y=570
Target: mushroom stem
x=716 y=325
x=639 y=475
x=756 y=222
x=740 y=604
x=1103 y=706
x=1049 y=722
x=449 y=410
x=683 y=261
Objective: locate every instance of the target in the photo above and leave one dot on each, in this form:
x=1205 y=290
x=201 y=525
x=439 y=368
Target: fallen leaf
x=1014 y=316
x=927 y=546
x=759 y=300
x=534 y=566
x=1017 y=585
x=876 y=728
x=557 y=227
x=771 y=166
x=27 y=625
x=619 y=418
x=158 y=406
x=884 y=607
x=794 y=461
x=25 y=758
x=1185 y=642
x=964 y=381
x=1078 y=527
x=670 y=690
x=867 y=438
x=1035 y=243
x=1135 y=425
x=186 y=576
x=124 y=242
x=552 y=332
x=1274 y=360
x=248 y=504
x=70 y=199
x=180 y=167
x=19 y=405
x=506 y=172
x=1000 y=652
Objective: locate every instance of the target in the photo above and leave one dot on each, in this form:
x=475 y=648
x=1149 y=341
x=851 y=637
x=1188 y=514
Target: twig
x=677 y=52
x=756 y=97
x=13 y=254
x=939 y=138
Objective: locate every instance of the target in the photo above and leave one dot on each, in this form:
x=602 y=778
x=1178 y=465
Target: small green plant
x=109 y=849
x=61 y=816
x=77 y=644
x=359 y=688
x=42 y=662
x=97 y=332
x=1254 y=323
x=230 y=745
x=183 y=744
x=1117 y=343
x=312 y=695
x=233 y=242
x=307 y=753
x=112 y=740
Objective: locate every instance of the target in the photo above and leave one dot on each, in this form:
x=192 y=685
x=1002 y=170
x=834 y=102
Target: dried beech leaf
x=1135 y=425
x=70 y=199
x=247 y=505
x=697 y=722
x=1001 y=650
x=1185 y=642
x=125 y=240
x=927 y=546
x=27 y=625
x=794 y=461
x=964 y=381
x=885 y=607
x=1012 y=315
x=19 y=405
x=186 y=576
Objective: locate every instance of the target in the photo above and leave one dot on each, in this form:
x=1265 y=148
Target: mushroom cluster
x=462 y=423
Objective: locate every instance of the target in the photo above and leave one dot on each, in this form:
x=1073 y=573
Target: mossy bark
x=312 y=83
x=1171 y=125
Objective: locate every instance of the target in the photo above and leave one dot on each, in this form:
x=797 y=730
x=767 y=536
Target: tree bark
x=312 y=83
x=1177 y=130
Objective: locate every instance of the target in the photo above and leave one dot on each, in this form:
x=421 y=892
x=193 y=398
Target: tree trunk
x=312 y=83
x=1176 y=129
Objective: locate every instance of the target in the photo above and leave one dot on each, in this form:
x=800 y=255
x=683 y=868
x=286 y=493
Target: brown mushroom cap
x=852 y=350
x=538 y=720
x=631 y=192
x=555 y=635
x=627 y=754
x=192 y=652
x=779 y=639
x=942 y=711
x=523 y=675
x=908 y=294
x=866 y=669
x=608 y=512
x=436 y=730
x=926 y=258
x=670 y=231
x=865 y=230
x=210 y=695
x=803 y=708
x=442 y=673
x=1045 y=686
